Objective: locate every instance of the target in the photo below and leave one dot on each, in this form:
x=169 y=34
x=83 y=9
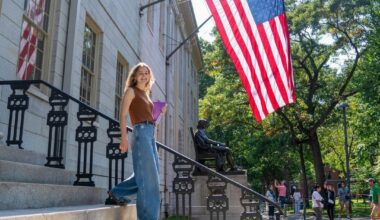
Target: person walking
x=145 y=180
x=297 y=201
x=281 y=192
x=317 y=202
x=375 y=198
x=330 y=201
x=344 y=199
x=271 y=196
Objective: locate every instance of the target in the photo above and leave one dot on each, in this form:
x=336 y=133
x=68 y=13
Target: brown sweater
x=141 y=107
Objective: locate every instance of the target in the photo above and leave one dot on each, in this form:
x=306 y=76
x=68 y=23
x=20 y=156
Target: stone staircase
x=29 y=190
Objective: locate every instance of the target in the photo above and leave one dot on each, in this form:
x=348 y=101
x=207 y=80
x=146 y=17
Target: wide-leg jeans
x=145 y=181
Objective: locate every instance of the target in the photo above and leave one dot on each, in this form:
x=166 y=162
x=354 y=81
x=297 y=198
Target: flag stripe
x=261 y=53
x=247 y=82
x=261 y=33
x=243 y=43
x=256 y=46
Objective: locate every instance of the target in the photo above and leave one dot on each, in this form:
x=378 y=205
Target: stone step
x=93 y=212
x=15 y=195
x=21 y=155
x=21 y=172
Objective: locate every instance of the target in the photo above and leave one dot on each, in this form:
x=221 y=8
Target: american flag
x=28 y=51
x=256 y=37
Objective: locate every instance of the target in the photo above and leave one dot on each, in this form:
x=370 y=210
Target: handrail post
x=85 y=136
x=114 y=155
x=17 y=105
x=57 y=121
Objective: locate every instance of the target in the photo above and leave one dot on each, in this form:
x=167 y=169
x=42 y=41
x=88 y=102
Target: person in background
x=344 y=199
x=271 y=196
x=297 y=200
x=375 y=195
x=317 y=202
x=281 y=192
x=330 y=201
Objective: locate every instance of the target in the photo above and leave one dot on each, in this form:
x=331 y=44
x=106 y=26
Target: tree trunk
x=304 y=177
x=317 y=157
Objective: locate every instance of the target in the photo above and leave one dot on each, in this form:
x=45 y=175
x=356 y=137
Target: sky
x=201 y=14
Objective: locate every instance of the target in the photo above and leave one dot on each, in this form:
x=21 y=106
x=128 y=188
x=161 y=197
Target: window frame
x=161 y=38
x=150 y=16
x=124 y=63
x=95 y=73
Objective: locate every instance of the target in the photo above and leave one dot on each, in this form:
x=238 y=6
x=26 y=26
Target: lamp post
x=343 y=106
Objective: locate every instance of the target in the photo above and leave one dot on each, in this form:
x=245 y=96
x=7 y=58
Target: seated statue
x=205 y=144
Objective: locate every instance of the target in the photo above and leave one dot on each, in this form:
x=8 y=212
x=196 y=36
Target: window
x=162 y=26
x=33 y=40
x=121 y=76
x=150 y=15
x=88 y=82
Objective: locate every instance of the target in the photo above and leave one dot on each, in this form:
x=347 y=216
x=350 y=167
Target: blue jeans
x=145 y=181
x=297 y=206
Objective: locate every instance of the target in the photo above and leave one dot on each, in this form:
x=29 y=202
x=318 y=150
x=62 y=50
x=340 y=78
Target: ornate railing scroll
x=183 y=184
x=57 y=121
x=18 y=103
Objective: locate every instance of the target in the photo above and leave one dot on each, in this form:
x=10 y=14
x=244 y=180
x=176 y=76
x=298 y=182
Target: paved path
x=295 y=217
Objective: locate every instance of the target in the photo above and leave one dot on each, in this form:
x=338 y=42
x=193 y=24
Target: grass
x=359 y=209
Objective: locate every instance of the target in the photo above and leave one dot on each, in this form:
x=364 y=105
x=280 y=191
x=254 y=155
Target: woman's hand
x=123 y=146
x=164 y=109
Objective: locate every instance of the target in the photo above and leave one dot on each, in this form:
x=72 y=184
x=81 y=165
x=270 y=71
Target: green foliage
x=335 y=52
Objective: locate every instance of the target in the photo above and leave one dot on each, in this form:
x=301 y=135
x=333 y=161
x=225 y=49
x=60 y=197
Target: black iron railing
x=86 y=135
x=57 y=120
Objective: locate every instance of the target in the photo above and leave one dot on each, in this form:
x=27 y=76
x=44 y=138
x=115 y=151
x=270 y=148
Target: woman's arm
x=128 y=96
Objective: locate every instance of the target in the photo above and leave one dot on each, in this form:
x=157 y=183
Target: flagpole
x=183 y=42
x=148 y=5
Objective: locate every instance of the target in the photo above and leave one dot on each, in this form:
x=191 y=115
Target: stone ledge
x=21 y=172
x=93 y=212
x=16 y=195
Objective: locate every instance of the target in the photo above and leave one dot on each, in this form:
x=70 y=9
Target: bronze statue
x=208 y=145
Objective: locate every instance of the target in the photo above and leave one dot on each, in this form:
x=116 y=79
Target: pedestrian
x=297 y=201
x=271 y=196
x=344 y=199
x=281 y=192
x=317 y=202
x=375 y=198
x=145 y=180
x=330 y=201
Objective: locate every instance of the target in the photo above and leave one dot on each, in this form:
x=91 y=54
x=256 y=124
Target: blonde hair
x=132 y=82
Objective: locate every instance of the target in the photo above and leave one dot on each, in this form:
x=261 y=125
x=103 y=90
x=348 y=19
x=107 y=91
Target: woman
x=271 y=196
x=281 y=192
x=145 y=180
x=344 y=199
x=297 y=201
x=317 y=202
x=330 y=201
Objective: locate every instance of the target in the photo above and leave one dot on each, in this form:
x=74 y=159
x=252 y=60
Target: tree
x=323 y=32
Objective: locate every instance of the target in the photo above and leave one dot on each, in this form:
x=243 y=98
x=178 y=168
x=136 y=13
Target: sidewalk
x=294 y=217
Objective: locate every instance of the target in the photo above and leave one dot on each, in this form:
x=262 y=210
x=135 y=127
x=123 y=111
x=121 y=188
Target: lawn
x=359 y=209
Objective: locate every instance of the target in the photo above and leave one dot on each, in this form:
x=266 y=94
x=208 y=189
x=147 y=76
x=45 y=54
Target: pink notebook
x=157 y=108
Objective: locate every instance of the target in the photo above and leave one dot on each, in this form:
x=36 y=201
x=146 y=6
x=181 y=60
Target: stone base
x=199 y=198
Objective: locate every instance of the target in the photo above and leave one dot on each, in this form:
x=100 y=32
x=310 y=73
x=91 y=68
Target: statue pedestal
x=233 y=193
